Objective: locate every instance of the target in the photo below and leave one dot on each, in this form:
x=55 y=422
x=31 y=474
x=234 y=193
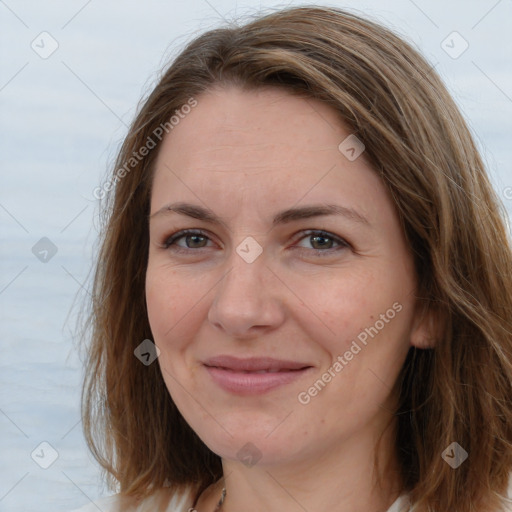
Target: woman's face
x=277 y=342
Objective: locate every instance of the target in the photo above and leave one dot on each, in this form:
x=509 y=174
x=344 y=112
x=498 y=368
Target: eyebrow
x=283 y=217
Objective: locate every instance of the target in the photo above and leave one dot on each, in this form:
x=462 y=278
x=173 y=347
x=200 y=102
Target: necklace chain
x=221 y=501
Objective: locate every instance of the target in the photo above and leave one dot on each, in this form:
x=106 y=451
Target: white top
x=111 y=504
x=184 y=504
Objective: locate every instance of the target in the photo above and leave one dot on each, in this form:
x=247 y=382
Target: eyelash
x=170 y=241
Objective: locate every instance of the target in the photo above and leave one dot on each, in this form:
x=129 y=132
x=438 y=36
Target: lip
x=255 y=375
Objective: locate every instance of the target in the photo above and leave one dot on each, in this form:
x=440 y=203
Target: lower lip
x=253 y=383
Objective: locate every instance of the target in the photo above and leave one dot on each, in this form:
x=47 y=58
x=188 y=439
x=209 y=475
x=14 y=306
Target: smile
x=255 y=375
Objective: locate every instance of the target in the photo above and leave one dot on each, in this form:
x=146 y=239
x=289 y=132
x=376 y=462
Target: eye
x=194 y=239
x=323 y=242
x=197 y=239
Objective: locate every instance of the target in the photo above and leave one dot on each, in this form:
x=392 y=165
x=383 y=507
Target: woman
x=340 y=336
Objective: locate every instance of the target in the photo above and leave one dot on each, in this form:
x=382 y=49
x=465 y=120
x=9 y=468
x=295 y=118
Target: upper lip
x=254 y=363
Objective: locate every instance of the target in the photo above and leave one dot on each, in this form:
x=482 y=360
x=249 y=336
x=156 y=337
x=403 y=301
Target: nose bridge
x=245 y=296
x=246 y=275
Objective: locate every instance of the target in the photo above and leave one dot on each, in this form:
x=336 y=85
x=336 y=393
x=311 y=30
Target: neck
x=342 y=479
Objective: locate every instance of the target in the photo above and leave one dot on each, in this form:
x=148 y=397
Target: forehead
x=264 y=146
x=228 y=118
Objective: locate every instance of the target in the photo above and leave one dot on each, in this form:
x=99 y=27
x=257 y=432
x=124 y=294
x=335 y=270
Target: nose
x=248 y=300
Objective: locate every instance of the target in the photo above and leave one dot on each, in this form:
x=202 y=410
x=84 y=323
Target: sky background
x=62 y=118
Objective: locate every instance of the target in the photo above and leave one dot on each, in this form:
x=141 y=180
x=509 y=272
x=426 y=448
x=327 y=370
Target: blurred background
x=71 y=76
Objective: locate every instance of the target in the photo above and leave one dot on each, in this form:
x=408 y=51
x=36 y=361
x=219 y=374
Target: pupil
x=316 y=237
x=194 y=237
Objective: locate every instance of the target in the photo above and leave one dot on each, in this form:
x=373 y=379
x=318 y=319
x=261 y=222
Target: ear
x=428 y=326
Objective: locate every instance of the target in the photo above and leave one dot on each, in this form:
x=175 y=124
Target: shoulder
x=182 y=502
x=161 y=501
x=107 y=504
x=403 y=503
x=509 y=501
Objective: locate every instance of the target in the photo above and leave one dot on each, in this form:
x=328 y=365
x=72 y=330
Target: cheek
x=166 y=306
x=175 y=306
x=157 y=303
x=341 y=303
x=350 y=307
x=166 y=302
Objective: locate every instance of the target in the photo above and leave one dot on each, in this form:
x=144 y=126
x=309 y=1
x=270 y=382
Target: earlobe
x=427 y=328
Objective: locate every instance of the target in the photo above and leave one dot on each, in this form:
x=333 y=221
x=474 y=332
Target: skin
x=246 y=156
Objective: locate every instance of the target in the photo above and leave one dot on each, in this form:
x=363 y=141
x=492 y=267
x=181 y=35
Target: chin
x=249 y=443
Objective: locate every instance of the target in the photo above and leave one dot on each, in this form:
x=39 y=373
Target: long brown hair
x=418 y=142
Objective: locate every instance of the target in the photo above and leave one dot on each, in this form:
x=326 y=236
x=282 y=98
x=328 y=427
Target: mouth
x=254 y=375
